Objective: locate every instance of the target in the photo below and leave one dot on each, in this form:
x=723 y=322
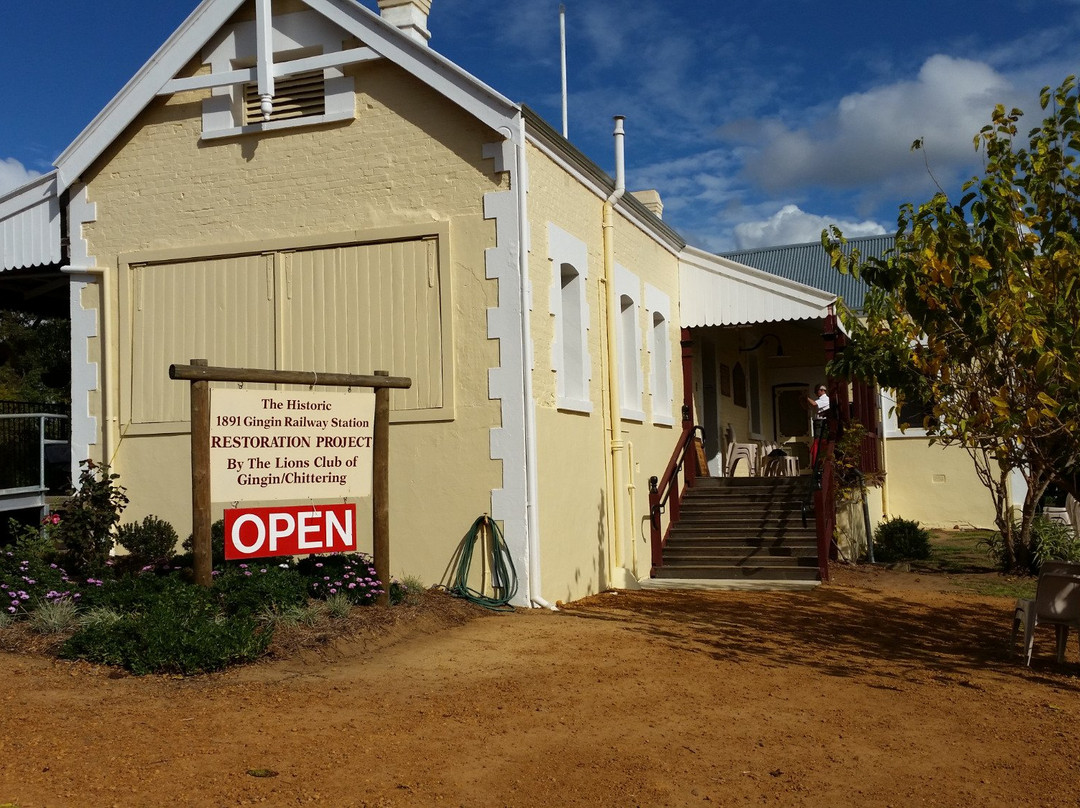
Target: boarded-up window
x=344 y=309
x=364 y=307
x=222 y=309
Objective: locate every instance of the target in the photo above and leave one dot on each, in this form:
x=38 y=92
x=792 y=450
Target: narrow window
x=571 y=335
x=628 y=291
x=658 y=304
x=570 y=320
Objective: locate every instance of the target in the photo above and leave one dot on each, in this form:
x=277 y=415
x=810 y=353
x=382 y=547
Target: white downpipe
x=616 y=445
x=532 y=521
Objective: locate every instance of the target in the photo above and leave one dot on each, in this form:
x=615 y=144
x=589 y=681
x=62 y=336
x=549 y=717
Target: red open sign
x=289 y=530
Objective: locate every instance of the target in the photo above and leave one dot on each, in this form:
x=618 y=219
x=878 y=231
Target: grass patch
x=957 y=552
x=1004 y=588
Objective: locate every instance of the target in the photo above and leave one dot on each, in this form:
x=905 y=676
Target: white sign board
x=272 y=444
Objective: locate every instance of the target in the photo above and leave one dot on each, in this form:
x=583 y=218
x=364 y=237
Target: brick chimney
x=408 y=15
x=651 y=200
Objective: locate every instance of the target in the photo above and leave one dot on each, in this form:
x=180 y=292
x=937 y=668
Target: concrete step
x=748 y=571
x=737 y=555
x=679 y=543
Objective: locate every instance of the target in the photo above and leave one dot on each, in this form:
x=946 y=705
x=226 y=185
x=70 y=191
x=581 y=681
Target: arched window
x=658 y=304
x=570 y=312
x=628 y=290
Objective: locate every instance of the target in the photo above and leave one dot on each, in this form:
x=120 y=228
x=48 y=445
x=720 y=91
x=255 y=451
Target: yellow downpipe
x=617 y=494
x=615 y=445
x=631 y=492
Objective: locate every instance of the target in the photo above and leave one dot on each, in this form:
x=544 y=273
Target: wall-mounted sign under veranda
x=273 y=444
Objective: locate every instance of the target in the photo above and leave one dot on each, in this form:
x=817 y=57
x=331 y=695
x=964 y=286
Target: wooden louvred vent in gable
x=298 y=96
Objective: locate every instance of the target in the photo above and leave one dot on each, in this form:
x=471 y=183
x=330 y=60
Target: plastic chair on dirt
x=1056 y=603
x=740 y=451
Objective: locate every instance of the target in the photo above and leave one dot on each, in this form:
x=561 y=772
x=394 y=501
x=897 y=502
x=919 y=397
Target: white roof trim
x=30 y=224
x=207 y=19
x=715 y=291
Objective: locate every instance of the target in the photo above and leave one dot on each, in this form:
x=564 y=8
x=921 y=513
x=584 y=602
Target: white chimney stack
x=408 y=15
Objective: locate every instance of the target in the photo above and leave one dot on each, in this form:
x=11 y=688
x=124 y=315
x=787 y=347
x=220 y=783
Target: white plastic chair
x=779 y=465
x=1072 y=510
x=740 y=451
x=1056 y=603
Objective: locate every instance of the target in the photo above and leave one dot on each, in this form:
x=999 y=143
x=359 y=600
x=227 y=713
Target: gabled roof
x=716 y=291
x=809 y=264
x=206 y=20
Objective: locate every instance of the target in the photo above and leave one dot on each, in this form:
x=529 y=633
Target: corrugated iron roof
x=715 y=291
x=809 y=264
x=30 y=225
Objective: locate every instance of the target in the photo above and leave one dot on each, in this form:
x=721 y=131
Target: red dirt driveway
x=868 y=691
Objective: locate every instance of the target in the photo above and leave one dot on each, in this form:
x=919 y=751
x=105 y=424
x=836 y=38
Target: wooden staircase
x=743 y=528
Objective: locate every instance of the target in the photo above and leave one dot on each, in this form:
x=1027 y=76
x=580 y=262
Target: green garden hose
x=502 y=570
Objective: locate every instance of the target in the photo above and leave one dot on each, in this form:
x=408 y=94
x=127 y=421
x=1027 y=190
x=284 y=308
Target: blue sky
x=758 y=123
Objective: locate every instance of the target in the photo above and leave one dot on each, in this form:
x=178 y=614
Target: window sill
x=273 y=126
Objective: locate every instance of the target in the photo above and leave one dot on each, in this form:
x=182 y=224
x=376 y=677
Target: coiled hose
x=503 y=573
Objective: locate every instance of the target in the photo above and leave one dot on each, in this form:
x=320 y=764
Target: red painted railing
x=825 y=506
x=666 y=494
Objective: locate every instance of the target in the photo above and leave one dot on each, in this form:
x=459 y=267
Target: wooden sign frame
x=200 y=374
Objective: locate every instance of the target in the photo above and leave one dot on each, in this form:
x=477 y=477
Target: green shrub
x=249 y=589
x=1050 y=541
x=151 y=540
x=85 y=520
x=130 y=593
x=54 y=616
x=34 y=542
x=350 y=574
x=182 y=631
x=338 y=606
x=901 y=540
x=27 y=581
x=407 y=590
x=99 y=616
x=217 y=545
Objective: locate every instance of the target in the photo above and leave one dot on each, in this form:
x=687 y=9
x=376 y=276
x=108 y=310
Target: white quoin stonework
x=408 y=15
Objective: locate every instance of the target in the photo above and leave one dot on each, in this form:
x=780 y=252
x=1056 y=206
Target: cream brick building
x=307 y=185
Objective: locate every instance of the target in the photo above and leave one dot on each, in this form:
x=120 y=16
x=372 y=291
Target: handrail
x=668 y=484
x=41 y=420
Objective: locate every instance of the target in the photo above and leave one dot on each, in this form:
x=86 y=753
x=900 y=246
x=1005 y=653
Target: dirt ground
x=880 y=688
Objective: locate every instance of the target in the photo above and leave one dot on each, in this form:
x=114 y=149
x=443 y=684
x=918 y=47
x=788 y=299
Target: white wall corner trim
x=80 y=211
x=84 y=373
x=506 y=384
x=502 y=153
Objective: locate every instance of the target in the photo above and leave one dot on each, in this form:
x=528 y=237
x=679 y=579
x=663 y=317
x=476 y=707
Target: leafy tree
x=34 y=358
x=975 y=311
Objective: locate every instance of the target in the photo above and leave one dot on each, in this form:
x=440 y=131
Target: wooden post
x=380 y=489
x=200 y=478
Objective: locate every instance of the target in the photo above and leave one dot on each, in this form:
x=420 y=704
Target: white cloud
x=866 y=138
x=13 y=174
x=790 y=225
